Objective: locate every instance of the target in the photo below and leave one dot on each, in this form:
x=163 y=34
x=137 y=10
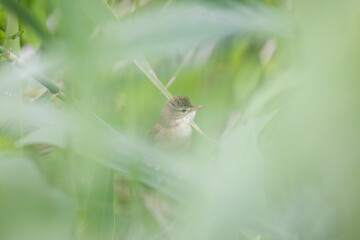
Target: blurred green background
x=83 y=81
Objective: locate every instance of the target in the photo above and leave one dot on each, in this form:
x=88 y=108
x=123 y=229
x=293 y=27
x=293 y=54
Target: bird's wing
x=155 y=133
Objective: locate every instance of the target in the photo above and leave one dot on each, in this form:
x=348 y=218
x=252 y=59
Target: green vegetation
x=275 y=154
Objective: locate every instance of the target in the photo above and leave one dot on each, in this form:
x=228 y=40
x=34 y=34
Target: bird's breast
x=176 y=135
x=181 y=131
x=179 y=134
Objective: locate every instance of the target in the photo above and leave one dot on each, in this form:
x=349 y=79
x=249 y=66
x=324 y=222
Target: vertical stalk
x=14 y=89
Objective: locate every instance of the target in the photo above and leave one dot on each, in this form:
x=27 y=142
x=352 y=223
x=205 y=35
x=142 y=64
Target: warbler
x=173 y=130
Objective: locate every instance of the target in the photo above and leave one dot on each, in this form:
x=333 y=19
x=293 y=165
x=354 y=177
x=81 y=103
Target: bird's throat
x=183 y=122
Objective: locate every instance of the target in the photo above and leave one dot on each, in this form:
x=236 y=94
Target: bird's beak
x=197 y=107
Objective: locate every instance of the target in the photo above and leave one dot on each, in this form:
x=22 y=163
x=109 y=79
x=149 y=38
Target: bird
x=173 y=129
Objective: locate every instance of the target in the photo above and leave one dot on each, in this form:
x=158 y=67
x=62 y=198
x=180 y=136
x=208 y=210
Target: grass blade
x=176 y=74
x=145 y=67
x=26 y=17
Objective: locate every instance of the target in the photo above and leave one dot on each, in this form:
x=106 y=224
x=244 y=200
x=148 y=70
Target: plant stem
x=43 y=80
x=52 y=87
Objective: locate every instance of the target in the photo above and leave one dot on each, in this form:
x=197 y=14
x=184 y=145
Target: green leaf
x=12 y=28
x=13 y=89
x=112 y=151
x=145 y=67
x=99 y=219
x=28 y=203
x=4 y=36
x=16 y=35
x=236 y=192
x=26 y=17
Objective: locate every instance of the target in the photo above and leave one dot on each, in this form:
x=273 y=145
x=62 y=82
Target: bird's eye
x=183 y=110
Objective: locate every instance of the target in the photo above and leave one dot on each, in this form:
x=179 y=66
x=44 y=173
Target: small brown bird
x=173 y=130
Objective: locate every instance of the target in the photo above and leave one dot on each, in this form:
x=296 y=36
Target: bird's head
x=179 y=110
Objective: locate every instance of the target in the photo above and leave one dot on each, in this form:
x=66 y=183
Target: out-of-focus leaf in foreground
x=112 y=150
x=30 y=208
x=181 y=26
x=233 y=205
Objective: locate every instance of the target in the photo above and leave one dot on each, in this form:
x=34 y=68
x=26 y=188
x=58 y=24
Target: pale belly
x=177 y=136
x=180 y=132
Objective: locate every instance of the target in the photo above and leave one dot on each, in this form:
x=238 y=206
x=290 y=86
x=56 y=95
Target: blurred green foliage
x=280 y=81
